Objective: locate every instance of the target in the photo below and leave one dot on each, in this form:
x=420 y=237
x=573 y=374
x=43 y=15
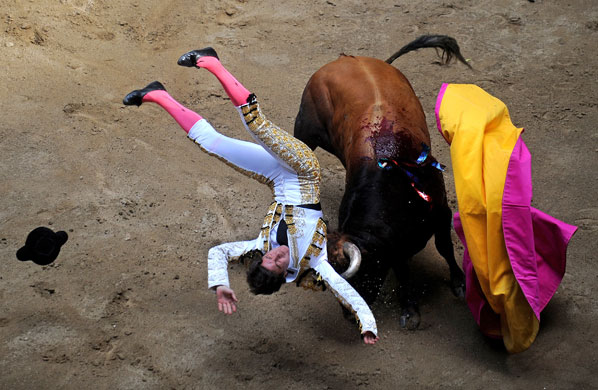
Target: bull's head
x=343 y=255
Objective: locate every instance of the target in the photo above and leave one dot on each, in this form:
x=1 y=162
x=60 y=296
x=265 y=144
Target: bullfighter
x=292 y=240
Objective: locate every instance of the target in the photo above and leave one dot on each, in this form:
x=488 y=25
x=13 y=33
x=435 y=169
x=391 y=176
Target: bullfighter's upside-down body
x=292 y=240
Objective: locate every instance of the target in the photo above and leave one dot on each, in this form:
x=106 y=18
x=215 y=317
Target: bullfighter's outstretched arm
x=218 y=258
x=348 y=297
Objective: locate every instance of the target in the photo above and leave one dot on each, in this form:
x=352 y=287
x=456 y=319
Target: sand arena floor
x=126 y=305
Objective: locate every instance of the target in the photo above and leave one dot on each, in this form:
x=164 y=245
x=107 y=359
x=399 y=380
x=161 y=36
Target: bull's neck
x=379 y=206
x=367 y=206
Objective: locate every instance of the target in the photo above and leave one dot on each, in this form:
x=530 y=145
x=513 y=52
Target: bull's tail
x=450 y=48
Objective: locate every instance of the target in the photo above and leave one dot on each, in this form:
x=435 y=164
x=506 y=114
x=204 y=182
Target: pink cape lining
x=536 y=242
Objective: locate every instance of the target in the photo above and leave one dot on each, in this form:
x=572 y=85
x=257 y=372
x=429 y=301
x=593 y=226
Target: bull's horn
x=352 y=252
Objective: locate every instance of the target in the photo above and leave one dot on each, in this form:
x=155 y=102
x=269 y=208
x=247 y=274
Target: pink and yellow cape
x=515 y=255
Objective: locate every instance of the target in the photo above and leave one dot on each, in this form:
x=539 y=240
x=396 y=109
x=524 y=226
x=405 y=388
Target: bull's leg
x=410 y=317
x=304 y=132
x=444 y=245
x=309 y=128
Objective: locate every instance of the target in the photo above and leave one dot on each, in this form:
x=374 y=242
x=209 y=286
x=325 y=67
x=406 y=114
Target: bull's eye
x=384 y=164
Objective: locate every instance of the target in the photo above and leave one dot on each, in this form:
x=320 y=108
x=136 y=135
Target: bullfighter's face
x=277 y=260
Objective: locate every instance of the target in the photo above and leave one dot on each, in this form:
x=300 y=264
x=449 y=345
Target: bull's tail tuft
x=450 y=48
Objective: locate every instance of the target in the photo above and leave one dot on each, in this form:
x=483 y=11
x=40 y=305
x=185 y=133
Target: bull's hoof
x=189 y=59
x=410 y=318
x=458 y=285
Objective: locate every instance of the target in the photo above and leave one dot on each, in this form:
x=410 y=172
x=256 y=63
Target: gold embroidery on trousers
x=294 y=152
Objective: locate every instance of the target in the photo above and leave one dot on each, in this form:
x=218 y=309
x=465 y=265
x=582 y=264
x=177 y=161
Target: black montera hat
x=42 y=246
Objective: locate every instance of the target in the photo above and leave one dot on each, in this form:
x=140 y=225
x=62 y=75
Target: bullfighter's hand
x=370 y=338
x=226 y=300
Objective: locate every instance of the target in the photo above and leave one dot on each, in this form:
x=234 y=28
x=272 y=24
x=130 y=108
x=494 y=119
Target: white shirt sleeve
x=348 y=297
x=218 y=258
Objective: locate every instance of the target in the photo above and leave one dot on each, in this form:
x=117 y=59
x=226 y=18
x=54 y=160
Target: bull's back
x=364 y=82
x=366 y=97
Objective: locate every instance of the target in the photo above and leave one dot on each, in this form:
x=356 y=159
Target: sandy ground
x=126 y=305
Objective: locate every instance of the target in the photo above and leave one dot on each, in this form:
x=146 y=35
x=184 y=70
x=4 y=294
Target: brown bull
x=365 y=112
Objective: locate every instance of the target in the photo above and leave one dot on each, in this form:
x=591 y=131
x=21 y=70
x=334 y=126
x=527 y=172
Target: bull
x=365 y=112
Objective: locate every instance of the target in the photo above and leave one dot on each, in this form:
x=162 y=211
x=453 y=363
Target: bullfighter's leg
x=444 y=245
x=410 y=317
x=246 y=157
x=208 y=59
x=156 y=93
x=288 y=150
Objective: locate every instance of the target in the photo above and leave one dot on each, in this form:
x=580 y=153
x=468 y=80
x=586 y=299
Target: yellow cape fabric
x=479 y=129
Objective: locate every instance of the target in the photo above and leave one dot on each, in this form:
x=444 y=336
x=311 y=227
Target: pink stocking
x=184 y=117
x=237 y=93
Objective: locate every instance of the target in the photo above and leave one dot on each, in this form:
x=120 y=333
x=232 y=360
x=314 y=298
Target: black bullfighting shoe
x=135 y=97
x=189 y=59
